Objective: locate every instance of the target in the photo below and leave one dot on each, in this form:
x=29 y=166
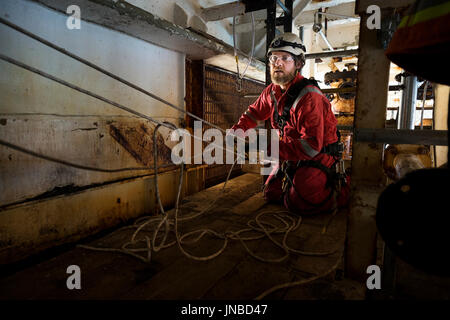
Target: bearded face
x=283 y=68
x=282 y=77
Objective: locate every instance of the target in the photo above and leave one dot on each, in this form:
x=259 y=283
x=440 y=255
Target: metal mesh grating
x=223 y=105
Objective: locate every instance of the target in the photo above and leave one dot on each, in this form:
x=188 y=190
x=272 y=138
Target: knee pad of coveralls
x=317 y=193
x=310 y=184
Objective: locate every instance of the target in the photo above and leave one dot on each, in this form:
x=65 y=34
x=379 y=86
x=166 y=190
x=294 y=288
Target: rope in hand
x=262 y=228
x=164 y=220
x=290 y=223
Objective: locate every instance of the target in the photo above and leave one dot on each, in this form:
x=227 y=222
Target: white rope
x=150 y=246
x=164 y=219
x=263 y=228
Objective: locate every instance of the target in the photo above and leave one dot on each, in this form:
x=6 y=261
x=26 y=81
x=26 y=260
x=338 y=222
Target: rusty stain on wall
x=138 y=141
x=84 y=129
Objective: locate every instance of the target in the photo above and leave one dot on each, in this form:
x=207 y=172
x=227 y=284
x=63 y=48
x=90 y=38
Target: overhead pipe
x=326 y=40
x=329 y=54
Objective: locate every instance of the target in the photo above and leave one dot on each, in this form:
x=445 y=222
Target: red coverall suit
x=311 y=126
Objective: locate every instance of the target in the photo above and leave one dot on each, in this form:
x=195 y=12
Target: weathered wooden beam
x=344 y=9
x=194 y=90
x=327 y=4
x=247 y=26
x=361 y=5
x=367 y=173
x=138 y=23
x=353 y=89
x=299 y=6
x=402 y=136
x=329 y=54
x=223 y=11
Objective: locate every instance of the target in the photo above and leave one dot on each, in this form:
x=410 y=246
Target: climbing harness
x=336 y=176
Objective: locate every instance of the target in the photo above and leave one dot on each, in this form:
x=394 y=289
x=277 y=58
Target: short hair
x=299 y=58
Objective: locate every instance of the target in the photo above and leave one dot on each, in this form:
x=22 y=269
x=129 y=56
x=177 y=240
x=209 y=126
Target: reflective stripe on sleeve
x=247 y=113
x=308 y=149
x=304 y=91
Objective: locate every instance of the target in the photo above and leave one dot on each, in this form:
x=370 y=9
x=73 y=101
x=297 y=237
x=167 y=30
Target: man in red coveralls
x=306 y=182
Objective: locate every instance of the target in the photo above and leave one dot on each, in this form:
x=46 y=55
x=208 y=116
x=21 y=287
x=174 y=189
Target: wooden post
x=367 y=178
x=194 y=90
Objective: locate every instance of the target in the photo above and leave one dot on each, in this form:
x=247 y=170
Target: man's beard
x=282 y=78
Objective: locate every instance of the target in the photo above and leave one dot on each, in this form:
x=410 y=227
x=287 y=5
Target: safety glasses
x=284 y=58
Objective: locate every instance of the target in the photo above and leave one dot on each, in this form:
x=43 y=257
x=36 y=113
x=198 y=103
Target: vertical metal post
x=405 y=121
x=288 y=16
x=389 y=275
x=408 y=107
x=271 y=25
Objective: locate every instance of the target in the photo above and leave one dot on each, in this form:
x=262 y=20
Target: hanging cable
x=94 y=95
x=253 y=45
x=240 y=77
x=111 y=75
x=180 y=239
x=257 y=225
x=150 y=242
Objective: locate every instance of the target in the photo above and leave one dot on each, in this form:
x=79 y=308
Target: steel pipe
x=408 y=106
x=335 y=53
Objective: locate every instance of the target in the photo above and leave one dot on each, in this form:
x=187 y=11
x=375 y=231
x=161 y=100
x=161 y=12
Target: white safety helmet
x=288 y=42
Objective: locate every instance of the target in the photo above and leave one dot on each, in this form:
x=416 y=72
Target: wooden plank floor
x=234 y=274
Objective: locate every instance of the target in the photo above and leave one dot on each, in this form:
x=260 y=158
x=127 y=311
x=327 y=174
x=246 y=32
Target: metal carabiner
x=239 y=84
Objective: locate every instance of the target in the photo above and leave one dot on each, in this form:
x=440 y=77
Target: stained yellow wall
x=46 y=117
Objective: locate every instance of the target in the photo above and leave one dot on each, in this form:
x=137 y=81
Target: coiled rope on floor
x=164 y=219
x=265 y=228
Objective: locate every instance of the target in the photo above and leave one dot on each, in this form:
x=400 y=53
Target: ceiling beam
x=223 y=11
x=247 y=27
x=232 y=9
x=138 y=23
x=361 y=5
x=347 y=9
x=327 y=4
x=299 y=6
x=328 y=54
